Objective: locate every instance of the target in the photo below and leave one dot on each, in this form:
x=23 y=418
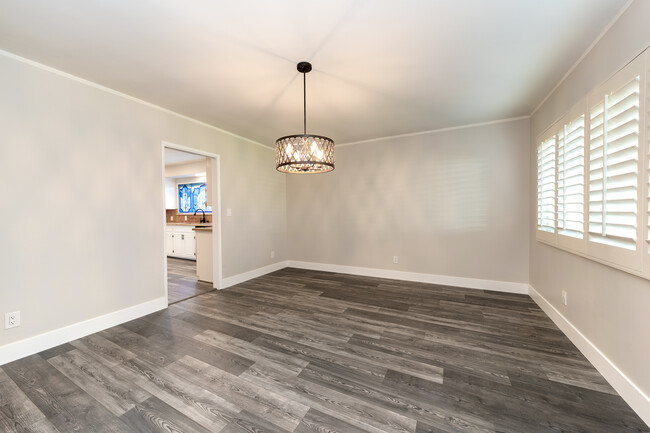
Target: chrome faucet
x=203 y=220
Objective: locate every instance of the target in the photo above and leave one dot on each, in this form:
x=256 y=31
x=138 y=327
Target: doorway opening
x=192 y=259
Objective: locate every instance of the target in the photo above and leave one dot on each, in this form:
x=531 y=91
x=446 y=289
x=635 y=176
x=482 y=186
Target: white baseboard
x=446 y=280
x=29 y=346
x=240 y=278
x=632 y=394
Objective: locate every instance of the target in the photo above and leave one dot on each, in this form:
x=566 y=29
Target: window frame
x=644 y=172
x=635 y=262
x=628 y=259
x=193 y=208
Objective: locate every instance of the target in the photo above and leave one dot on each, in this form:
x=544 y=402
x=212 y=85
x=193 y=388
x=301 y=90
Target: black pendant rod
x=304 y=67
x=304 y=104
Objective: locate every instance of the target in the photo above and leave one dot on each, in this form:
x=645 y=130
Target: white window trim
x=625 y=258
x=634 y=262
x=644 y=170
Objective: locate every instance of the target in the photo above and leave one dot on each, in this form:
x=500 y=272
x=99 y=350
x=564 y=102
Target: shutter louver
x=571 y=178
x=546 y=185
x=593 y=174
x=613 y=167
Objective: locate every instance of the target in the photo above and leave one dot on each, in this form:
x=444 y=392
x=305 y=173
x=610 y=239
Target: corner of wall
x=631 y=393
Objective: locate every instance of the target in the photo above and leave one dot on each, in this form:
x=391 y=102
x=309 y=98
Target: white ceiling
x=173 y=156
x=381 y=67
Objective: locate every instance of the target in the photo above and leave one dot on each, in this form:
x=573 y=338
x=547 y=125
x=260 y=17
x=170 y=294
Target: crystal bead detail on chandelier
x=304 y=153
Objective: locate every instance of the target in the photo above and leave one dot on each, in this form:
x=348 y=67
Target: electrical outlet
x=564 y=297
x=272 y=254
x=185 y=217
x=172 y=217
x=395 y=259
x=228 y=212
x=12 y=319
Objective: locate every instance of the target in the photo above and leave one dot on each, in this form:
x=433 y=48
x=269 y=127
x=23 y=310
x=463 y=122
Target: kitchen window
x=192 y=197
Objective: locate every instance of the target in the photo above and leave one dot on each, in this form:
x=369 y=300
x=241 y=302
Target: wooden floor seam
x=301 y=351
x=182 y=281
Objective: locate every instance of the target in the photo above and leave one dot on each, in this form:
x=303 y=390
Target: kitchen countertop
x=202 y=229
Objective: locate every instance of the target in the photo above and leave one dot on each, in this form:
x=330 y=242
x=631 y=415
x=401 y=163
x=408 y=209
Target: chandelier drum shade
x=304 y=153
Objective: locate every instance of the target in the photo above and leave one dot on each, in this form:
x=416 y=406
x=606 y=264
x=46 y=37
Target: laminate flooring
x=182 y=282
x=306 y=352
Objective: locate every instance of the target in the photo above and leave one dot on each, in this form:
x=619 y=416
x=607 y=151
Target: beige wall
x=609 y=307
x=449 y=203
x=85 y=237
x=458 y=203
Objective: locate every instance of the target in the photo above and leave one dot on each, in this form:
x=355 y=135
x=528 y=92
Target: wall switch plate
x=228 y=212
x=395 y=259
x=272 y=254
x=12 y=319
x=564 y=297
x=185 y=217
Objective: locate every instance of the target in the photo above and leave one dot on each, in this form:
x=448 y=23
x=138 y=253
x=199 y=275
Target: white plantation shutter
x=613 y=167
x=571 y=178
x=647 y=164
x=546 y=185
x=593 y=174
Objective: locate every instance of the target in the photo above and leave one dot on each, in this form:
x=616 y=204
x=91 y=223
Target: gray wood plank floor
x=182 y=282
x=305 y=352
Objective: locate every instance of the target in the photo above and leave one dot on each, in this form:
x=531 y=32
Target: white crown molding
x=125 y=96
x=585 y=54
x=207 y=125
x=29 y=346
x=435 y=131
x=631 y=393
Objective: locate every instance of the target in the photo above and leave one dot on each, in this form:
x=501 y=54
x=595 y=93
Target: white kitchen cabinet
x=204 y=254
x=169 y=242
x=182 y=240
x=184 y=245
